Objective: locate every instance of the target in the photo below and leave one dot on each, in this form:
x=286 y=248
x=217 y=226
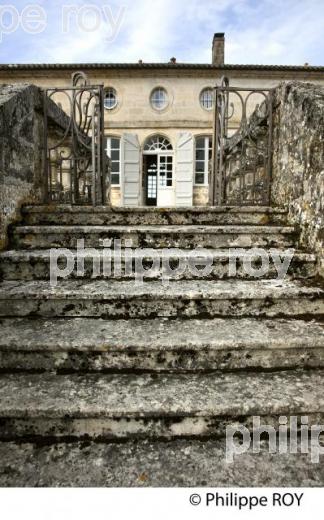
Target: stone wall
x=298 y=160
x=20 y=152
x=21 y=149
x=246 y=161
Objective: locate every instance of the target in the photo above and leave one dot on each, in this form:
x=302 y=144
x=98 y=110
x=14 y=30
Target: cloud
x=257 y=31
x=286 y=35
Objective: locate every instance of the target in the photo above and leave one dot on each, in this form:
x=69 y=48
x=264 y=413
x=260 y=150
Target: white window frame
x=208 y=109
x=108 y=152
x=116 y=97
x=157 y=143
x=167 y=100
x=206 y=159
x=166 y=156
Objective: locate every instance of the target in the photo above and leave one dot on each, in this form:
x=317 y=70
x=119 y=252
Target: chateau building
x=159 y=119
x=133 y=339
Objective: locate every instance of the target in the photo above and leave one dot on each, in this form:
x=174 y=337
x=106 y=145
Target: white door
x=131 y=167
x=165 y=192
x=184 y=170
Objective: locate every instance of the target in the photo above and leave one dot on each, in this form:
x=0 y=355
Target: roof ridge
x=156 y=65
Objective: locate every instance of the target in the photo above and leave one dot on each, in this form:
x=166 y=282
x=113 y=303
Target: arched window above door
x=157 y=143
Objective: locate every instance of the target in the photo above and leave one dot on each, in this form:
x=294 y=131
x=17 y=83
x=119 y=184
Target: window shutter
x=184 y=169
x=131 y=170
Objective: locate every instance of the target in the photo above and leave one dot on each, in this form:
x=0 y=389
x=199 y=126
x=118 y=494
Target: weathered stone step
x=151 y=405
x=36 y=264
x=106 y=215
x=81 y=344
x=120 y=299
x=152 y=463
x=44 y=237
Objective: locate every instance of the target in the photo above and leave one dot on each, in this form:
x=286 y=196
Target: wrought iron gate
x=241 y=164
x=76 y=164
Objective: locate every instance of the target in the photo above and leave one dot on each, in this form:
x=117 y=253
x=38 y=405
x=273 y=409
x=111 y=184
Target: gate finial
x=79 y=79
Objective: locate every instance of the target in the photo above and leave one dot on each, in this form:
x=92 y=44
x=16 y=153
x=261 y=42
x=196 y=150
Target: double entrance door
x=158 y=180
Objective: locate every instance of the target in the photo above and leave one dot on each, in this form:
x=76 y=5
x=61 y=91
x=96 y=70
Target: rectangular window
x=166 y=171
x=203 y=159
x=113 y=152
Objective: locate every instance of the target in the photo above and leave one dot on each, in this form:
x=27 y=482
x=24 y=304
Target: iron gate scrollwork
x=76 y=163
x=242 y=146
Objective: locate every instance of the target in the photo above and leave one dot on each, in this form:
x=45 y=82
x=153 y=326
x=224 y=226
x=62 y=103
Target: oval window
x=159 y=98
x=207 y=98
x=110 y=101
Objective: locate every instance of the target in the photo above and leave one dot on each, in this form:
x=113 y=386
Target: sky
x=287 y=32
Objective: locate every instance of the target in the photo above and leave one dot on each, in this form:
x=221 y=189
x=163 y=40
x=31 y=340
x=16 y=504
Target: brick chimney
x=219 y=49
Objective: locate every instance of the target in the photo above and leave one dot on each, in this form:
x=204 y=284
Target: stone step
x=36 y=264
x=45 y=237
x=153 y=463
x=93 y=345
x=105 y=215
x=185 y=298
x=154 y=405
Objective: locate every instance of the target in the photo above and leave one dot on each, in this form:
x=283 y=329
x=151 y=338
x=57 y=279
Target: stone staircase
x=108 y=382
